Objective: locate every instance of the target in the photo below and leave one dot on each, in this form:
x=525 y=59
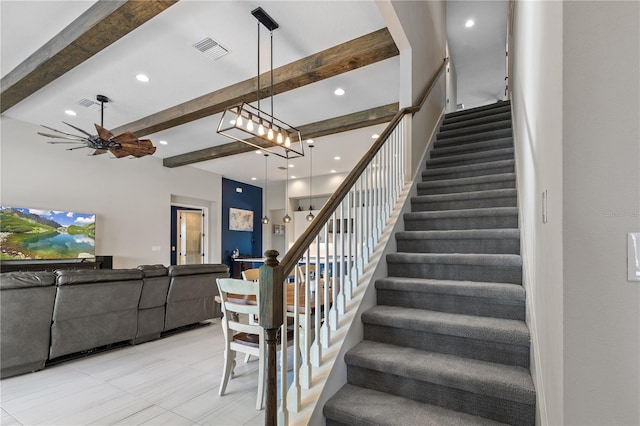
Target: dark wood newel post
x=270 y=318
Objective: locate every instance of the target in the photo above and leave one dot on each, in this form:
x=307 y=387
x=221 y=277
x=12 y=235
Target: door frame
x=174 y=229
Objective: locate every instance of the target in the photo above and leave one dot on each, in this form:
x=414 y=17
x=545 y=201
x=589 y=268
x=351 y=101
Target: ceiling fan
x=123 y=145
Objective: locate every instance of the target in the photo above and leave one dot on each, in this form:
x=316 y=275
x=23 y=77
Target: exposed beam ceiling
x=345 y=123
x=101 y=25
x=368 y=49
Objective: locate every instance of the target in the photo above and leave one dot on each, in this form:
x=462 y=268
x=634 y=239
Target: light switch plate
x=633 y=256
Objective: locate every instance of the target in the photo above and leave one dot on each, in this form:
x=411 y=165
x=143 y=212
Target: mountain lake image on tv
x=30 y=234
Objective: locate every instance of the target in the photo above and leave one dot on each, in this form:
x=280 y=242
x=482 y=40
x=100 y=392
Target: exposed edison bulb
x=279 y=138
x=287 y=142
x=270 y=133
x=287 y=218
x=261 y=129
x=265 y=220
x=250 y=125
x=239 y=121
x=310 y=217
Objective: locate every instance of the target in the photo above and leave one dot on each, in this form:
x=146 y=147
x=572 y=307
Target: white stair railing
x=311 y=287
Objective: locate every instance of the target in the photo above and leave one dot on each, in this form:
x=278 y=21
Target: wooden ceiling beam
x=368 y=49
x=341 y=124
x=101 y=25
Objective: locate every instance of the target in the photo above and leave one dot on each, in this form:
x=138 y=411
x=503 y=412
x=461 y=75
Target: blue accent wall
x=248 y=243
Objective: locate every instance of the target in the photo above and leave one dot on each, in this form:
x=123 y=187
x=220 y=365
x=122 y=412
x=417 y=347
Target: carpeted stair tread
x=461 y=200
x=483 y=108
x=444 y=150
x=501 y=268
x=477 y=218
x=485 y=290
x=471 y=158
x=468 y=181
x=469 y=170
x=499 y=260
x=459 y=234
x=478 y=377
x=471 y=121
x=472 y=115
x=472 y=130
x=475 y=137
x=459 y=241
x=467 y=184
x=357 y=406
x=467 y=326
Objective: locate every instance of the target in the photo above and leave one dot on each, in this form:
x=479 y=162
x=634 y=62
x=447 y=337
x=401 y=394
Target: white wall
x=601 y=177
x=537 y=119
x=418 y=28
x=576 y=103
x=130 y=197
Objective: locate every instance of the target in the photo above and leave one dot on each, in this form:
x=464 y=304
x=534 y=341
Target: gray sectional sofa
x=47 y=315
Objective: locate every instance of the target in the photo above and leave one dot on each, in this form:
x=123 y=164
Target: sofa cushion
x=88 y=276
x=153 y=270
x=26 y=279
x=177 y=270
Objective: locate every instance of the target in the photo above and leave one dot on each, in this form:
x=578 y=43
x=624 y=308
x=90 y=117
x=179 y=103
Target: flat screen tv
x=33 y=234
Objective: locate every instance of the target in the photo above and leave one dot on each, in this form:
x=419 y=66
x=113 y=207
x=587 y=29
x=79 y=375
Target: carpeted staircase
x=447 y=343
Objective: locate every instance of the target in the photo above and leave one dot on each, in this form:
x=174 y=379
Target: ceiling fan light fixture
x=123 y=145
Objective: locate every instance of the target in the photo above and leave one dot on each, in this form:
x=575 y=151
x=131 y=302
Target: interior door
x=190 y=237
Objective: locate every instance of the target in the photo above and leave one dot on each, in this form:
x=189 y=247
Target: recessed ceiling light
x=336 y=158
x=333 y=171
x=142 y=78
x=291 y=166
x=470 y=23
x=339 y=91
x=70 y=112
x=254 y=178
x=375 y=136
x=293 y=177
x=309 y=141
x=163 y=143
x=258 y=152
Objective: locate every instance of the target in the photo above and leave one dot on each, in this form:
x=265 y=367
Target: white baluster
x=316 y=347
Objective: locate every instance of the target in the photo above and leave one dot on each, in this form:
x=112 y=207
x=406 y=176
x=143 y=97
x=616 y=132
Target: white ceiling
x=478 y=52
x=162 y=49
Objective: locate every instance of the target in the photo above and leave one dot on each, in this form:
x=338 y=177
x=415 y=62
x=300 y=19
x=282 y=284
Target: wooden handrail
x=290 y=259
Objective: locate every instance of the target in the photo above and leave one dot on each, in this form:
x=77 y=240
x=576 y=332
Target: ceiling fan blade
x=77 y=128
x=147 y=146
x=104 y=134
x=99 y=151
x=71 y=138
x=125 y=138
x=117 y=152
x=60 y=131
x=59 y=142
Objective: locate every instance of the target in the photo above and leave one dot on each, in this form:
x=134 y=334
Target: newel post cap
x=271 y=292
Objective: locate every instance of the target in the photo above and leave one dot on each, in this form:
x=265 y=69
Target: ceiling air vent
x=211 y=48
x=282 y=168
x=88 y=103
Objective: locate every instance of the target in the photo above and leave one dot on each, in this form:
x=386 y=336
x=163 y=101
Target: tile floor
x=171 y=381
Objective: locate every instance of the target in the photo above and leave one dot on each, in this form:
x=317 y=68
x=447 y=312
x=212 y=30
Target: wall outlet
x=633 y=256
